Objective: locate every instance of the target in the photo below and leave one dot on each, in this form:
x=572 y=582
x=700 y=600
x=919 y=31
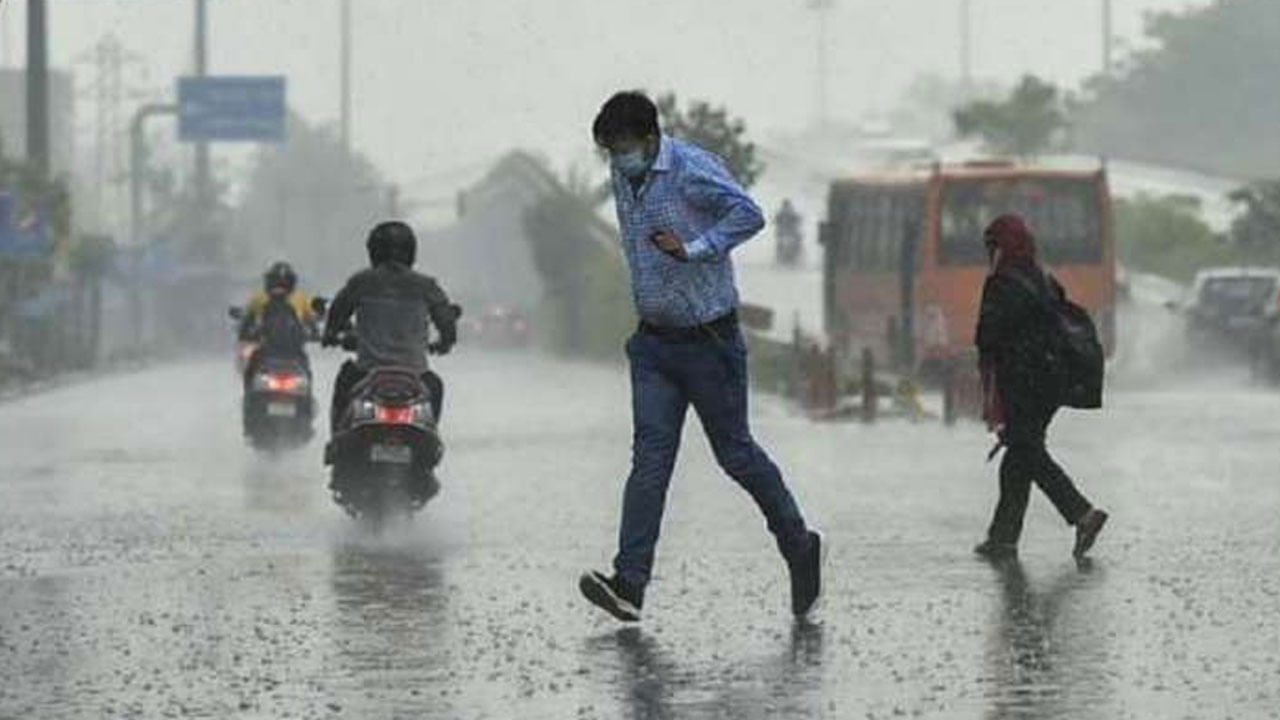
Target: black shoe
x=992 y=550
x=613 y=595
x=1087 y=530
x=806 y=577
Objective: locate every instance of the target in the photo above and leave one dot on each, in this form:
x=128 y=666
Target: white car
x=1234 y=299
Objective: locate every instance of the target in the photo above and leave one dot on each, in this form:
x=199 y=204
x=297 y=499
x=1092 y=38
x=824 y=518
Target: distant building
x=13 y=117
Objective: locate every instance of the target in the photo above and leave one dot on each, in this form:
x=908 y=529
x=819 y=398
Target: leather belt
x=720 y=328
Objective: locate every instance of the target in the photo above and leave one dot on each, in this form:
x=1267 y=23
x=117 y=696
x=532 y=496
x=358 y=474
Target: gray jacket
x=391 y=304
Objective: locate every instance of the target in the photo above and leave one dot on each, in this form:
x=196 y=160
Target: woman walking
x=1015 y=331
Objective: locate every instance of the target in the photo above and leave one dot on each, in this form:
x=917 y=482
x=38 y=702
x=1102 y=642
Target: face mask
x=632 y=165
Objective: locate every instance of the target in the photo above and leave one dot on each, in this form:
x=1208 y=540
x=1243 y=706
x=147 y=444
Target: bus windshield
x=1063 y=213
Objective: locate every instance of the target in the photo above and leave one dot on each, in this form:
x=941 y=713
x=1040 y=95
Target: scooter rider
x=280 y=318
x=391 y=304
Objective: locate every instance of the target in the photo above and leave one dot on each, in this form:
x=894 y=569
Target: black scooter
x=278 y=407
x=386 y=445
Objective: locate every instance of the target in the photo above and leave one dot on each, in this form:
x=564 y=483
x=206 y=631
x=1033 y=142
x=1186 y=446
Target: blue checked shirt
x=688 y=192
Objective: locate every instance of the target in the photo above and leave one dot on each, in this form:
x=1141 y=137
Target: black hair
x=629 y=114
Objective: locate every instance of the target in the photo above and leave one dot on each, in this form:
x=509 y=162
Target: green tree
x=1027 y=123
x=1204 y=96
x=1257 y=229
x=715 y=130
x=926 y=107
x=1165 y=236
x=309 y=201
x=586 y=300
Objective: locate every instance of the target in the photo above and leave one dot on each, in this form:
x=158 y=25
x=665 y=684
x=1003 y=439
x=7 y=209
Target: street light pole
x=138 y=167
x=1106 y=38
x=966 y=46
x=137 y=208
x=202 y=181
x=823 y=9
x=38 y=87
x=346 y=74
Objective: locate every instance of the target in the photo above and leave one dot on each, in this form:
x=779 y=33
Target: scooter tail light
x=280 y=382
x=395 y=415
x=284 y=382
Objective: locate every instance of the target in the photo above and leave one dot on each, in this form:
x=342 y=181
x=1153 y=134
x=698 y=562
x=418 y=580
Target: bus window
x=1063 y=215
x=857 y=225
x=846 y=249
x=861 y=228
x=873 y=222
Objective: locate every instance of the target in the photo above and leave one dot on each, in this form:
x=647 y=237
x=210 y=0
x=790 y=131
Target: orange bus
x=904 y=260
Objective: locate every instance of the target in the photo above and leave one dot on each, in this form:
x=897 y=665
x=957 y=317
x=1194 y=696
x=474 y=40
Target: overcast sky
x=443 y=84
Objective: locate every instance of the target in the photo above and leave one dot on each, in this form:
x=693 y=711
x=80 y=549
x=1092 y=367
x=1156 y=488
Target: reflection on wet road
x=152 y=566
x=651 y=682
x=1041 y=668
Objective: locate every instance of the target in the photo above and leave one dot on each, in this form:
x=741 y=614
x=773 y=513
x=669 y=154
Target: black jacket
x=1015 y=331
x=391 y=304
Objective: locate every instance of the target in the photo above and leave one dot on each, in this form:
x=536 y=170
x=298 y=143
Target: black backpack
x=1075 y=353
x=281 y=331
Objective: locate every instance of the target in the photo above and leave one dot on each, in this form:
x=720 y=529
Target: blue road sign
x=231 y=108
x=24 y=232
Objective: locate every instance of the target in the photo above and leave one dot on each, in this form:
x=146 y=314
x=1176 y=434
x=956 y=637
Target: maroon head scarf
x=1010 y=243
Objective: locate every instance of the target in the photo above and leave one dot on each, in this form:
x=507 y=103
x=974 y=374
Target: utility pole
x=109 y=59
x=1106 y=38
x=966 y=47
x=38 y=88
x=346 y=74
x=137 y=209
x=393 y=201
x=823 y=10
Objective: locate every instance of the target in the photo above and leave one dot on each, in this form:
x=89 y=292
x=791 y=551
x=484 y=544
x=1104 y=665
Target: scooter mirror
x=235 y=313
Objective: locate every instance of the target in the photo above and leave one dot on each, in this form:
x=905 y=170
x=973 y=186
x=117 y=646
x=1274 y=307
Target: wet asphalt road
x=153 y=566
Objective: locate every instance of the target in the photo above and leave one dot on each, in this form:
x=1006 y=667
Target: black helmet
x=280 y=276
x=392 y=241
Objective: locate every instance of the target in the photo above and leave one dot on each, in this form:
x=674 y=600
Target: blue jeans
x=667 y=376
